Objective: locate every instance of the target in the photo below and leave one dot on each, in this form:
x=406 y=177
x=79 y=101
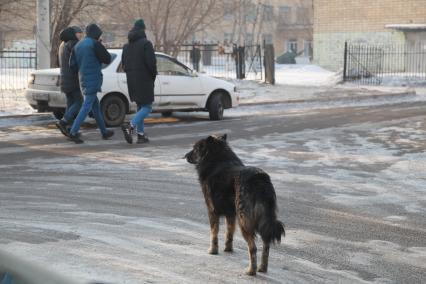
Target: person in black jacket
x=195 y=56
x=69 y=78
x=139 y=63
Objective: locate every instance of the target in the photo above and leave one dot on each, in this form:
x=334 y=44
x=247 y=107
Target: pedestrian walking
x=195 y=56
x=87 y=57
x=139 y=63
x=69 y=78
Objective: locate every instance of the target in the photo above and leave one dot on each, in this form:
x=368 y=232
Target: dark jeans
x=91 y=103
x=196 y=65
x=74 y=102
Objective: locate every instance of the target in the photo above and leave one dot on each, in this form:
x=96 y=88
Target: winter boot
x=142 y=139
x=108 y=134
x=62 y=126
x=127 y=132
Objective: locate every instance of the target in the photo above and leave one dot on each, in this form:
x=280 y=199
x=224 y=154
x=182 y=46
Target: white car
x=177 y=88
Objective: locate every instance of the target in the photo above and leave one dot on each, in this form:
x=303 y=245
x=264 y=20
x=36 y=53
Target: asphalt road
x=350 y=183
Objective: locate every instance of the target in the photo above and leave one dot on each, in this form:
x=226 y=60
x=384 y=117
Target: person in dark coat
x=69 y=78
x=87 y=57
x=195 y=56
x=139 y=63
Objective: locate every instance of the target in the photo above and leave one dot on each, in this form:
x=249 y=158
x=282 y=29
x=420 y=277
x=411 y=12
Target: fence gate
x=15 y=68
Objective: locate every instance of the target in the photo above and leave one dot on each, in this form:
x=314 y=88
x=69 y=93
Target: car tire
x=167 y=114
x=59 y=114
x=113 y=109
x=215 y=107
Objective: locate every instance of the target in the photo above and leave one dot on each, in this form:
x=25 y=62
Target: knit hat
x=77 y=29
x=140 y=24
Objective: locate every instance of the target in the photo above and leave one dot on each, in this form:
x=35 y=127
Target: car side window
x=166 y=66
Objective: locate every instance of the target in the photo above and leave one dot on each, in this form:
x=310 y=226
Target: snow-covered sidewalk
x=294 y=83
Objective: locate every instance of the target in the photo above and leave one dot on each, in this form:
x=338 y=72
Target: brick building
x=364 y=21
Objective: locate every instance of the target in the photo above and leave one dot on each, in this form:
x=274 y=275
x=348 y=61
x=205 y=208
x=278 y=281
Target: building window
x=228 y=11
x=302 y=16
x=251 y=13
x=292 y=46
x=227 y=37
x=267 y=38
x=249 y=38
x=285 y=15
x=307 y=48
x=268 y=13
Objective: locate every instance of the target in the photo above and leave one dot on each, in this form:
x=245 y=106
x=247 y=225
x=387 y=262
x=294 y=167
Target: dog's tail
x=271 y=230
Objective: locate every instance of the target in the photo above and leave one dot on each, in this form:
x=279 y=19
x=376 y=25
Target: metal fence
x=217 y=60
x=387 y=64
x=15 y=68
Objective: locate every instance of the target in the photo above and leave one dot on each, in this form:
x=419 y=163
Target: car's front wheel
x=216 y=107
x=113 y=110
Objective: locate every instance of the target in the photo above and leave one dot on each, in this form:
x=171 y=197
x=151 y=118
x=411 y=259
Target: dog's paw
x=262 y=269
x=251 y=271
x=213 y=250
x=228 y=248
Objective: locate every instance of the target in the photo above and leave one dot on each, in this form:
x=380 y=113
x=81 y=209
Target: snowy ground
x=349 y=181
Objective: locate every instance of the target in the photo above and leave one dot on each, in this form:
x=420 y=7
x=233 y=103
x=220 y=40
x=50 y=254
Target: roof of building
x=407 y=27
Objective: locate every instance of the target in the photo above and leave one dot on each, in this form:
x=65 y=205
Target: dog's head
x=203 y=148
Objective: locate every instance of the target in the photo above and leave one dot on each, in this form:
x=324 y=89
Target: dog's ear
x=223 y=137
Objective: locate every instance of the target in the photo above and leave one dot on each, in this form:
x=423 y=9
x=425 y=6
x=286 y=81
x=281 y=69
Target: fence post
x=240 y=62
x=269 y=62
x=345 y=62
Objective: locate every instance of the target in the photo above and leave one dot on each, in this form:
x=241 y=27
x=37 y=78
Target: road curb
x=335 y=99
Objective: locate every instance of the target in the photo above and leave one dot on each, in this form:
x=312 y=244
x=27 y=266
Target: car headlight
x=31 y=80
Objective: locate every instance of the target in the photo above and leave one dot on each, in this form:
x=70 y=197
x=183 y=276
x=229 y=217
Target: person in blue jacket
x=87 y=57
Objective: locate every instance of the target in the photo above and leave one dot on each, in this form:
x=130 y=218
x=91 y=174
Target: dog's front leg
x=214 y=230
x=230 y=229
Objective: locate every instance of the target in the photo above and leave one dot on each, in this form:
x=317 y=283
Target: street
x=350 y=184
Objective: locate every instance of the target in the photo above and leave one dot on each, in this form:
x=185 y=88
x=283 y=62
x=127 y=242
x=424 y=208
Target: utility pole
x=43 y=34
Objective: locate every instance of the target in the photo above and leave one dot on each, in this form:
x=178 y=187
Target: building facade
x=288 y=24
x=364 y=21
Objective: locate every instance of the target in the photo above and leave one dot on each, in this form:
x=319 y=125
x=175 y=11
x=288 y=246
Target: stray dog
x=235 y=191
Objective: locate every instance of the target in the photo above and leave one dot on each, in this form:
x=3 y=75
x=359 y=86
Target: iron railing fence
x=15 y=68
x=385 y=64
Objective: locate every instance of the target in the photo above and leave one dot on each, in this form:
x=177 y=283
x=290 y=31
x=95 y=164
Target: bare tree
x=63 y=13
x=172 y=22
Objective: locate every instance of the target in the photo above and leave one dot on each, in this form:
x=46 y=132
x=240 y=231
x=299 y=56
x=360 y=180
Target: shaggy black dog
x=235 y=191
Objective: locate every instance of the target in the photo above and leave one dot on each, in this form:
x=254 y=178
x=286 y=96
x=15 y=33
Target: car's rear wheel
x=114 y=110
x=59 y=114
x=216 y=107
x=167 y=114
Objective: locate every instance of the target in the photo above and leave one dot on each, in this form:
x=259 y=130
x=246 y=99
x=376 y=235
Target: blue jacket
x=89 y=54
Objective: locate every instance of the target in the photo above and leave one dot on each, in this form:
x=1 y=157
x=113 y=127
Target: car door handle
x=124 y=81
x=166 y=83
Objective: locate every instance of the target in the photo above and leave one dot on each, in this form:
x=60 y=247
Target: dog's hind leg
x=265 y=255
x=214 y=230
x=252 y=250
x=230 y=229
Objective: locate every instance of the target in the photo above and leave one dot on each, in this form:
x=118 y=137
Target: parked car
x=177 y=88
